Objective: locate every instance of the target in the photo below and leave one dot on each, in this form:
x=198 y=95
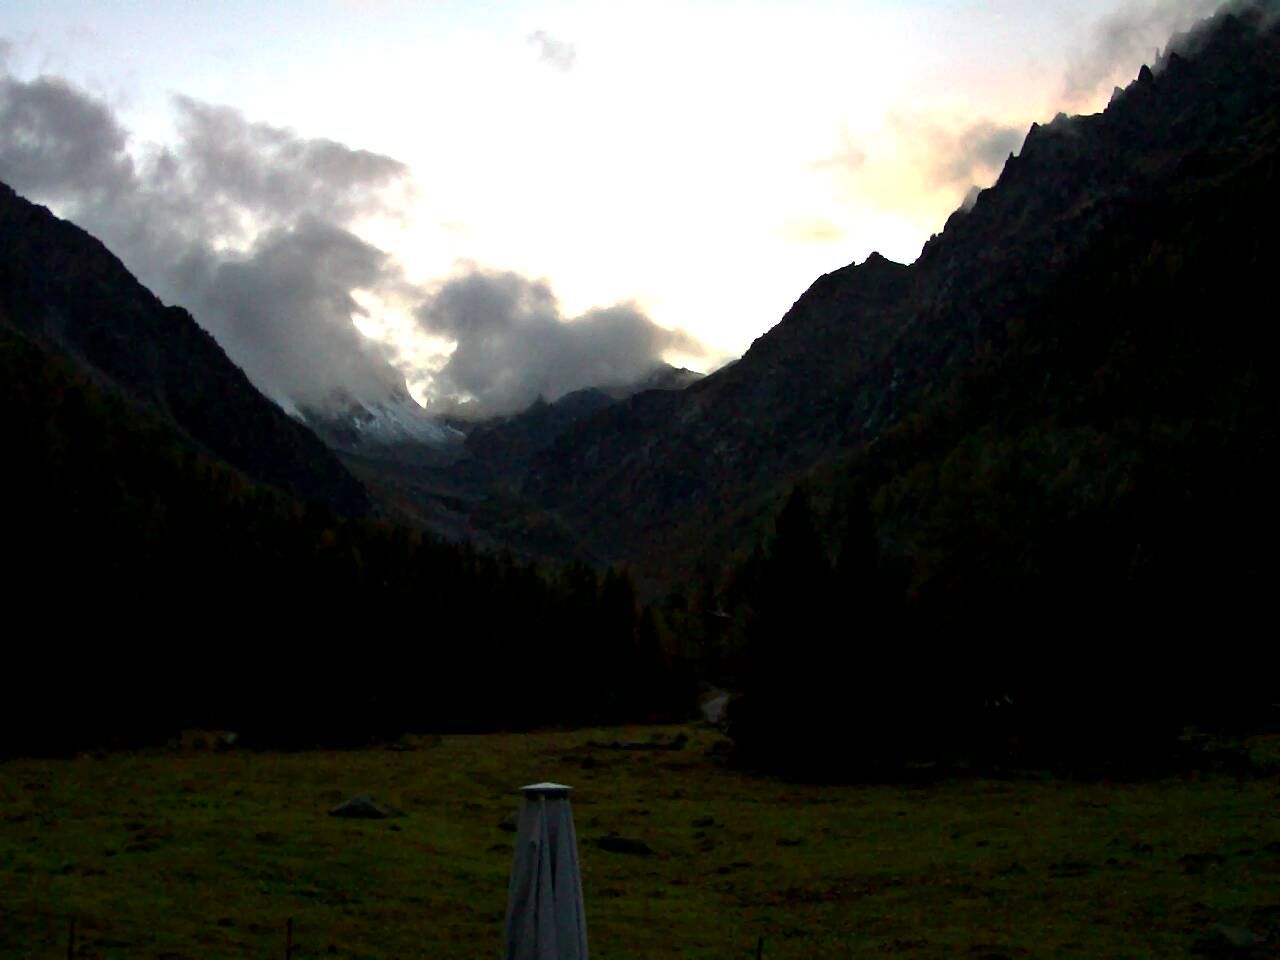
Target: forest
x=158 y=588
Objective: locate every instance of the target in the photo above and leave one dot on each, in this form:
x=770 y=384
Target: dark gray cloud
x=558 y=53
x=514 y=344
x=55 y=140
x=273 y=172
x=244 y=223
x=1127 y=38
x=287 y=306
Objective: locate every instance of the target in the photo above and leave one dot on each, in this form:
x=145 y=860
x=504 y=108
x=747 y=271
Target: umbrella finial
x=547 y=789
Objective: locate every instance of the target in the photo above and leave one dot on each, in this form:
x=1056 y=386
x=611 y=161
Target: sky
x=495 y=201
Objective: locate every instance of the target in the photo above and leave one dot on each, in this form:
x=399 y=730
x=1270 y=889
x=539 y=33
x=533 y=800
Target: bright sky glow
x=705 y=161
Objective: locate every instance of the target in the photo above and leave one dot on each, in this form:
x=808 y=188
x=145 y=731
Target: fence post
x=760 y=948
x=288 y=939
x=71 y=939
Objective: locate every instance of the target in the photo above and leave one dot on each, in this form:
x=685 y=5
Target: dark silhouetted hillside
x=177 y=552
x=65 y=290
x=1118 y=266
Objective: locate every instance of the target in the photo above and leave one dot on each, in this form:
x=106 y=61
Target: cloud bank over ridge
x=1130 y=35
x=254 y=229
x=514 y=344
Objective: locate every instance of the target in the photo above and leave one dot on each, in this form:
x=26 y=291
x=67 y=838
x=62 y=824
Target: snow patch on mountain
x=359 y=426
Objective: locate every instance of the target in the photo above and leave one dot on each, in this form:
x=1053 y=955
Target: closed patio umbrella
x=545 y=917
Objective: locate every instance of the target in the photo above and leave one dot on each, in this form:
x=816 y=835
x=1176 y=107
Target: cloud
x=514 y=345
x=56 y=140
x=246 y=224
x=286 y=308
x=918 y=157
x=1125 y=39
x=973 y=152
x=273 y=172
x=812 y=230
x=558 y=53
x=971 y=198
x=848 y=157
x=252 y=228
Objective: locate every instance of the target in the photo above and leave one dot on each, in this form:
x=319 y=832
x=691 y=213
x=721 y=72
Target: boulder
x=362 y=807
x=613 y=843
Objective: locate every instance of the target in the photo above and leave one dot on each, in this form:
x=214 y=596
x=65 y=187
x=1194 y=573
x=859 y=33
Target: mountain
x=1113 y=263
x=390 y=428
x=502 y=448
x=179 y=552
x=460 y=479
x=662 y=377
x=64 y=291
x=150 y=587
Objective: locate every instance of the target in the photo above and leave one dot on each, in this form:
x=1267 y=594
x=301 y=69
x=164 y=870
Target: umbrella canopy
x=545 y=917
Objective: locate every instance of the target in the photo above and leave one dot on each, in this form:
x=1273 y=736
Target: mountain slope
x=152 y=586
x=461 y=479
x=65 y=291
x=876 y=344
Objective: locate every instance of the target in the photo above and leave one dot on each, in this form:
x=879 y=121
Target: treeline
x=150 y=587
x=847 y=672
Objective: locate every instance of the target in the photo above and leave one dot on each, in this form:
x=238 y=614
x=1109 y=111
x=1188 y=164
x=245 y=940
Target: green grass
x=204 y=854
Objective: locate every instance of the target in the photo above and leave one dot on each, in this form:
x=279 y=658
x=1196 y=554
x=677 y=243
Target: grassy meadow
x=201 y=853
